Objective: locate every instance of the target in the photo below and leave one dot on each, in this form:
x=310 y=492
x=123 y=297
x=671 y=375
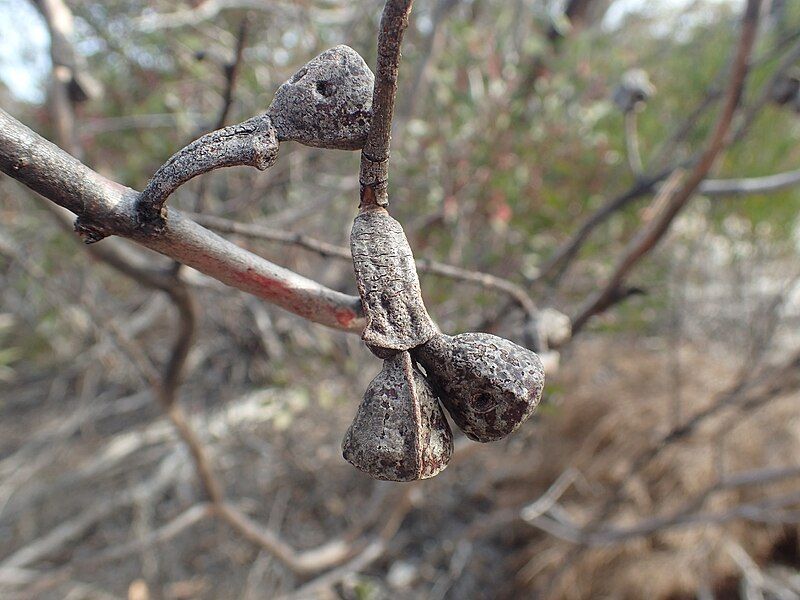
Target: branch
x=106 y=206
x=72 y=528
x=632 y=143
x=434 y=43
x=765 y=511
x=673 y=200
x=374 y=173
x=556 y=265
x=752 y=111
x=325 y=249
x=232 y=73
x=204 y=11
x=750 y=185
x=746 y=394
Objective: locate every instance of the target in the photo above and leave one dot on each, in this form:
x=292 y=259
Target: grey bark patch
x=327 y=103
x=388 y=284
x=400 y=432
x=488 y=384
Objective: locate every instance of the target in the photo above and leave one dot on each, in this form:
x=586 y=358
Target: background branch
x=325 y=249
x=671 y=200
x=110 y=207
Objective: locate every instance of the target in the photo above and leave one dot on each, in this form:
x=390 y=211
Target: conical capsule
x=400 y=432
x=488 y=384
x=327 y=103
x=388 y=284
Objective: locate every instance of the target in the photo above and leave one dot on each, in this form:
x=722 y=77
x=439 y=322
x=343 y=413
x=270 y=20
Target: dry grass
x=621 y=399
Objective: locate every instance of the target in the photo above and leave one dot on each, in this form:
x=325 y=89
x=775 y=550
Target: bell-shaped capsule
x=387 y=281
x=400 y=432
x=488 y=384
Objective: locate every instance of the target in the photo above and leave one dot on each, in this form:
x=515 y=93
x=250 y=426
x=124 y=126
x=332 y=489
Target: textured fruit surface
x=388 y=284
x=488 y=384
x=400 y=432
x=327 y=103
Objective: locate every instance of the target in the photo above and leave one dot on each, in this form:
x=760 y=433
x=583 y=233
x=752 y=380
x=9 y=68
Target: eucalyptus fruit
x=388 y=284
x=327 y=103
x=488 y=384
x=400 y=432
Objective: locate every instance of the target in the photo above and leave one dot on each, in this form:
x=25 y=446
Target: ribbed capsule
x=388 y=284
x=400 y=432
x=488 y=384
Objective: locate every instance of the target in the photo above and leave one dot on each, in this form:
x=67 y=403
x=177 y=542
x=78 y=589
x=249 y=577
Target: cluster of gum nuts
x=488 y=384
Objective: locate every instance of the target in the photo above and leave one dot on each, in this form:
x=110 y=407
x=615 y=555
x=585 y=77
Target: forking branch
x=672 y=198
x=62 y=179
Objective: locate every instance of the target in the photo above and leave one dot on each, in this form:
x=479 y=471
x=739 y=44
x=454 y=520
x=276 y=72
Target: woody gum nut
x=400 y=432
x=327 y=103
x=388 y=284
x=488 y=384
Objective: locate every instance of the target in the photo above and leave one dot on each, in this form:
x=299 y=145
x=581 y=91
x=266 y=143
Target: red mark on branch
x=344 y=316
x=267 y=286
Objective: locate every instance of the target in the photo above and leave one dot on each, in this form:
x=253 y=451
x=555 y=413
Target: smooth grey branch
x=109 y=208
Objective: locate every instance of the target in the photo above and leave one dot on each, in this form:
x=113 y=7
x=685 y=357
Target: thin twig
x=72 y=528
x=751 y=112
x=374 y=173
x=674 y=201
x=232 y=73
x=327 y=250
x=556 y=265
x=632 y=143
x=750 y=185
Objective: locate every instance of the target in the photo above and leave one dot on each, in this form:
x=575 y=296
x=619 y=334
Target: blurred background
x=663 y=460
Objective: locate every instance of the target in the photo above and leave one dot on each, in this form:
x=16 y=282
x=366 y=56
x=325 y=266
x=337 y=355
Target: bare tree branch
x=433 y=45
x=555 y=266
x=203 y=11
x=766 y=511
x=485 y=280
x=750 y=185
x=232 y=73
x=751 y=112
x=632 y=143
x=108 y=206
x=673 y=201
